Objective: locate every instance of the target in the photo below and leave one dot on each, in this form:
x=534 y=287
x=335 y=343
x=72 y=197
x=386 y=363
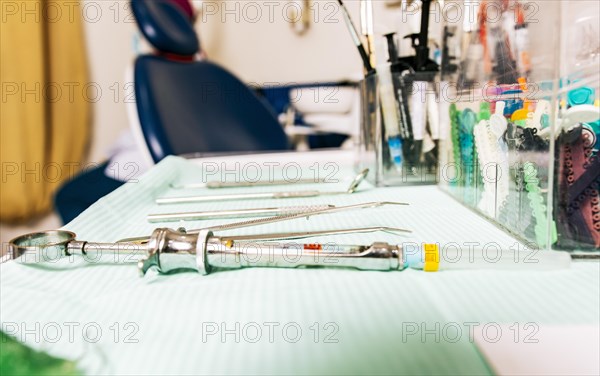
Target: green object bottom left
x=18 y=359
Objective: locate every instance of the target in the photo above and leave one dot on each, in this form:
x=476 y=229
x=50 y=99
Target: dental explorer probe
x=240 y=213
x=247 y=196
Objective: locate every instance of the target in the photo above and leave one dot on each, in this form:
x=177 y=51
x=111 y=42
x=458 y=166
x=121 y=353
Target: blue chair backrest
x=189 y=107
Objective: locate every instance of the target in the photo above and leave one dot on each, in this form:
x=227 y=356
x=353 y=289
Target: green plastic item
x=454 y=125
x=17 y=359
x=521 y=123
x=484 y=111
x=545 y=121
x=532 y=185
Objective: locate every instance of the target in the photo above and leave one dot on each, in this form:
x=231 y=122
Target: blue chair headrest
x=166 y=26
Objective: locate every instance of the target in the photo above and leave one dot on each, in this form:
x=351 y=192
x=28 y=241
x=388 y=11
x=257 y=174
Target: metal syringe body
x=171 y=251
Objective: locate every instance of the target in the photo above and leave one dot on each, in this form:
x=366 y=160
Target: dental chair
x=191 y=107
x=183 y=105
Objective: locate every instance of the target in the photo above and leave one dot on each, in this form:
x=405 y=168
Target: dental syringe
x=169 y=251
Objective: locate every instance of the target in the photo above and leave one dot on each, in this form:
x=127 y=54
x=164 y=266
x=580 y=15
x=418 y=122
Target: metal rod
x=241 y=213
x=356 y=38
x=240 y=196
x=93 y=250
x=308 y=234
x=367 y=29
x=244 y=184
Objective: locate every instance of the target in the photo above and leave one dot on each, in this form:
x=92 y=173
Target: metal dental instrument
x=356 y=38
x=64 y=243
x=268 y=220
x=246 y=196
x=211 y=252
x=281 y=218
x=242 y=213
x=244 y=184
x=39 y=246
x=367 y=29
x=170 y=251
x=161 y=245
x=308 y=234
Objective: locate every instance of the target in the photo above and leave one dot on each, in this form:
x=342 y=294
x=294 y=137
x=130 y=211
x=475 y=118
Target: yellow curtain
x=45 y=115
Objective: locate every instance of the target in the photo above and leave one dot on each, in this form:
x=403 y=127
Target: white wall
x=255 y=38
x=108 y=28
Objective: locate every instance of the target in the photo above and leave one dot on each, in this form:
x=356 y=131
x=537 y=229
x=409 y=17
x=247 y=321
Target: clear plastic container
x=577 y=171
x=522 y=130
x=410 y=103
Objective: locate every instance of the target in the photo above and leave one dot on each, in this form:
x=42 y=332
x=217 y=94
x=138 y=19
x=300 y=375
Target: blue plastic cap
x=395 y=145
x=512 y=106
x=395 y=142
x=583 y=95
x=413 y=256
